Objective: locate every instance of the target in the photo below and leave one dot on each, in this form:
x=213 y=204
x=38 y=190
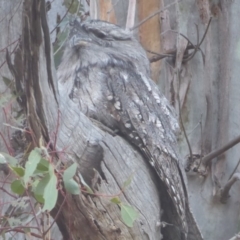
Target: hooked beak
x=79 y=41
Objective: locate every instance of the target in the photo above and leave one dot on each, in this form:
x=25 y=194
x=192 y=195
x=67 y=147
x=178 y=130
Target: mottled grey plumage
x=110 y=78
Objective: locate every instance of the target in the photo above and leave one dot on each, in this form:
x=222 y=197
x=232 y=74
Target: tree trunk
x=208 y=96
x=105 y=161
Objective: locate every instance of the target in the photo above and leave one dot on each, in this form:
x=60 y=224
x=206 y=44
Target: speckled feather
x=106 y=72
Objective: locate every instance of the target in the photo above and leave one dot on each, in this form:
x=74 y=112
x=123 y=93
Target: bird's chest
x=94 y=97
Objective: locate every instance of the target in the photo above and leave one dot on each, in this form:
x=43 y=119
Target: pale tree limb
x=77 y=139
x=234 y=170
x=152 y=15
x=225 y=190
x=93 y=9
x=131 y=14
x=207 y=159
x=236 y=237
x=190 y=46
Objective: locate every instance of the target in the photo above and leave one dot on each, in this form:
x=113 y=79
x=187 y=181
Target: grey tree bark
x=209 y=107
x=82 y=217
x=209 y=98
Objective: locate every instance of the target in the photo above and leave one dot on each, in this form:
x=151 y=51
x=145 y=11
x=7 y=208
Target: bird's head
x=95 y=39
x=95 y=32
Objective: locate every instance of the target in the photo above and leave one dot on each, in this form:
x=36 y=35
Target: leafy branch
x=41 y=180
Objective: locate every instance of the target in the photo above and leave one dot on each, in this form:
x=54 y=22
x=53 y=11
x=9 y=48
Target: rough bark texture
x=11 y=32
x=149 y=32
x=209 y=97
x=109 y=81
x=209 y=93
x=86 y=217
x=91 y=217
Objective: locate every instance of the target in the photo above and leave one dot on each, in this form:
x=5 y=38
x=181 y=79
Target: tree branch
x=236 y=237
x=207 y=159
x=225 y=191
x=152 y=15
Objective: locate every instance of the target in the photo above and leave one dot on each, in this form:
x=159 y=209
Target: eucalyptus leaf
x=18 y=171
x=72 y=187
x=17 y=187
x=115 y=200
x=50 y=194
x=6 y=158
x=128 y=214
x=32 y=163
x=70 y=172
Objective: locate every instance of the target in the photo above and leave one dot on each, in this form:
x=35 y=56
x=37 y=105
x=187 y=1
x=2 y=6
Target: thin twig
x=152 y=15
x=13 y=51
x=113 y=5
x=201 y=155
x=199 y=44
x=170 y=53
x=63 y=17
x=159 y=54
x=63 y=42
x=34 y=213
x=189 y=47
x=181 y=120
x=4 y=190
x=17 y=229
x=225 y=191
x=20 y=2
x=3 y=49
x=64 y=200
x=236 y=237
x=57 y=130
x=235 y=169
x=207 y=159
x=6 y=144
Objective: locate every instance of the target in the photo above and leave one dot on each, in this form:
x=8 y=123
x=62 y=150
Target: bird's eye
x=98 y=33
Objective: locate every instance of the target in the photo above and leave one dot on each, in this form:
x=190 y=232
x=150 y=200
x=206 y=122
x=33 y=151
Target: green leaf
x=62 y=36
x=6 y=158
x=50 y=194
x=3 y=235
x=72 y=187
x=39 y=198
x=42 y=167
x=18 y=170
x=129 y=214
x=39 y=185
x=35 y=184
x=127 y=182
x=8 y=82
x=17 y=187
x=69 y=183
x=70 y=172
x=46 y=191
x=13 y=222
x=115 y=200
x=71 y=5
x=38 y=192
x=27 y=230
x=31 y=165
x=64 y=22
x=89 y=190
x=2 y=159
